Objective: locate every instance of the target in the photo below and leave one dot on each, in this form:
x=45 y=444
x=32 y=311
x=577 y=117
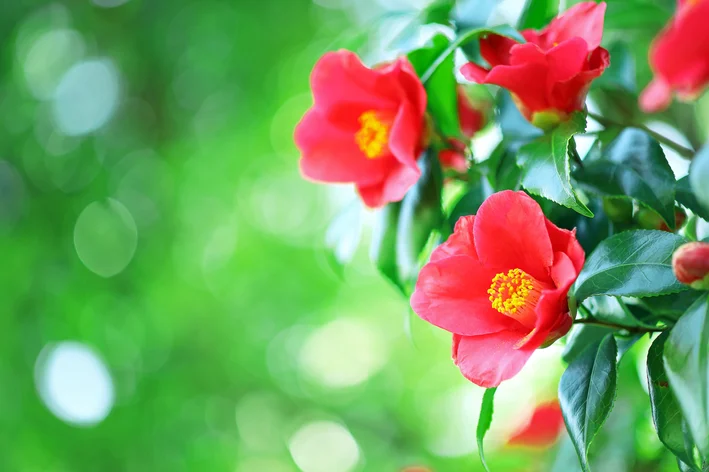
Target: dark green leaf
x=633 y=166
x=591 y=231
x=420 y=214
x=666 y=413
x=546 y=170
x=538 y=13
x=687 y=197
x=382 y=252
x=581 y=337
x=632 y=263
x=586 y=394
x=687 y=367
x=484 y=422
x=468 y=203
x=612 y=310
x=699 y=178
x=465 y=37
x=443 y=104
x=501 y=169
x=670 y=306
x=343 y=235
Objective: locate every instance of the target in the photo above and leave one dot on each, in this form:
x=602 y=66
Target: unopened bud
x=690 y=263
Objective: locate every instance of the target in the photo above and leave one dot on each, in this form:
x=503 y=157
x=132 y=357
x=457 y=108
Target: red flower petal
x=543 y=428
x=563 y=240
x=397 y=182
x=330 y=154
x=527 y=81
x=656 y=96
x=567 y=59
x=405 y=137
x=474 y=72
x=461 y=242
x=510 y=232
x=489 y=359
x=452 y=294
x=570 y=95
x=495 y=49
x=584 y=20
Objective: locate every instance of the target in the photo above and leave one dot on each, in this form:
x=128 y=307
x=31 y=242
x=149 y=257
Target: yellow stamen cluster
x=510 y=292
x=373 y=135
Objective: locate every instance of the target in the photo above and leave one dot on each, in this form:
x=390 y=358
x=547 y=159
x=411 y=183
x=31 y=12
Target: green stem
x=685 y=152
x=634 y=329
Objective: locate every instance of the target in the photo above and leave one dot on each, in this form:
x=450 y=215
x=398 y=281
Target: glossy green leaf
x=546 y=170
x=666 y=413
x=587 y=393
x=632 y=263
x=465 y=37
x=614 y=311
x=441 y=85
x=420 y=214
x=538 y=13
x=633 y=166
x=343 y=235
x=501 y=168
x=484 y=422
x=382 y=251
x=670 y=306
x=580 y=338
x=699 y=179
x=686 y=359
x=686 y=197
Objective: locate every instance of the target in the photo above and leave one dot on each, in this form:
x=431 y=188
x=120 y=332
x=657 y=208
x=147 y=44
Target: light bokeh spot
x=324 y=446
x=74 y=383
x=105 y=237
x=51 y=55
x=86 y=97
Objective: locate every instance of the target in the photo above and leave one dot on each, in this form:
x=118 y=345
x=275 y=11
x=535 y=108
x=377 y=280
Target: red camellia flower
x=499 y=284
x=472 y=119
x=366 y=127
x=679 y=56
x=549 y=75
x=543 y=428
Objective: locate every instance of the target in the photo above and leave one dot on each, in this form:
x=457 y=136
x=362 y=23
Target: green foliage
x=484 y=422
x=698 y=178
x=687 y=368
x=633 y=264
x=546 y=170
x=538 y=13
x=587 y=393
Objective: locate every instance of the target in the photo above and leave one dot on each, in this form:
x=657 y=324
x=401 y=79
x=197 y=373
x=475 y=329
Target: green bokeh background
x=227 y=333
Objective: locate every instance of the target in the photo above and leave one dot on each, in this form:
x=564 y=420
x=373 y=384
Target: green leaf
x=420 y=214
x=632 y=263
x=686 y=197
x=670 y=306
x=612 y=310
x=586 y=394
x=465 y=37
x=514 y=126
x=538 y=13
x=699 y=176
x=382 y=251
x=501 y=168
x=624 y=16
x=666 y=413
x=484 y=422
x=438 y=12
x=343 y=235
x=687 y=367
x=633 y=166
x=621 y=73
x=441 y=85
x=581 y=337
x=468 y=203
x=545 y=165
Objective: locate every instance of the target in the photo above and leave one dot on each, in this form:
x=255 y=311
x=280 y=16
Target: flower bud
x=690 y=263
x=648 y=219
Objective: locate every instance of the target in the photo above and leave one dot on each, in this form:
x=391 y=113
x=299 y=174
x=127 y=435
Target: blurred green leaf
x=687 y=367
x=514 y=126
x=343 y=235
x=634 y=263
x=620 y=75
x=441 y=85
x=468 y=203
x=484 y=422
x=587 y=392
x=635 y=14
x=686 y=197
x=699 y=179
x=537 y=14
x=546 y=170
x=634 y=166
x=501 y=168
x=438 y=11
x=420 y=214
x=670 y=306
x=614 y=311
x=382 y=251
x=666 y=414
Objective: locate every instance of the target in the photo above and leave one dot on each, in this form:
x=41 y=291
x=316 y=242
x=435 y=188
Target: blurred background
x=167 y=301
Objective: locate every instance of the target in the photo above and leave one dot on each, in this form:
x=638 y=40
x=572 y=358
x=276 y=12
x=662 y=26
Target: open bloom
x=679 y=56
x=499 y=284
x=472 y=117
x=543 y=428
x=366 y=127
x=549 y=75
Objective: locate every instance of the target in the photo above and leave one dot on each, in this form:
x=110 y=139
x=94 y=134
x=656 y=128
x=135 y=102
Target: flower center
x=373 y=135
x=515 y=294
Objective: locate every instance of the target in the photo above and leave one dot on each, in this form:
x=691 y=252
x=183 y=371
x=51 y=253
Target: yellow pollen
x=373 y=135
x=515 y=294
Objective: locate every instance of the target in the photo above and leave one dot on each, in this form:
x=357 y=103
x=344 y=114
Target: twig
x=631 y=329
